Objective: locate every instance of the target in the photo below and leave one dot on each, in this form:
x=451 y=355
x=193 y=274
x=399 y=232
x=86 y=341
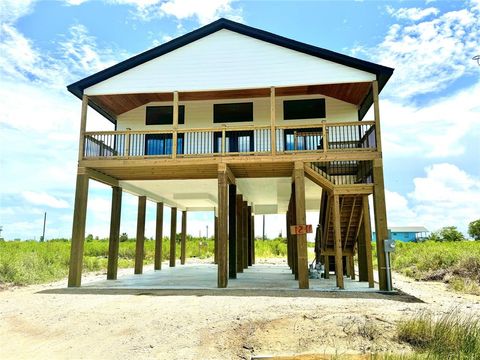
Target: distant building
x=406 y=233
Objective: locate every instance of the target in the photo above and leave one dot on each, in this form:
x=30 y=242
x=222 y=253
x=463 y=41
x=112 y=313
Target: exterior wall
x=199 y=114
x=228 y=60
x=399 y=236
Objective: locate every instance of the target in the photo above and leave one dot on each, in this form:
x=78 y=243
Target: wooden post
x=293 y=221
x=367 y=238
x=348 y=271
x=301 y=218
x=250 y=237
x=222 y=278
x=376 y=114
x=140 y=240
x=289 y=257
x=338 y=241
x=83 y=126
x=245 y=235
x=183 y=245
x=381 y=229
x=114 y=239
x=175 y=124
x=272 y=121
x=253 y=239
x=232 y=231
x=239 y=208
x=352 y=267
x=173 y=236
x=78 y=230
x=326 y=273
x=159 y=237
x=215 y=241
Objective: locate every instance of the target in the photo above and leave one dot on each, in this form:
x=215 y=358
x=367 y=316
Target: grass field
x=456 y=263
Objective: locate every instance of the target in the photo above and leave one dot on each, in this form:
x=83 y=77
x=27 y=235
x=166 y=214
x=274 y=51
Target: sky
x=430 y=109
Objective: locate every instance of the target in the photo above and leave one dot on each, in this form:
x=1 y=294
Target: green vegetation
x=474 y=229
x=447 y=233
x=452 y=336
x=456 y=263
x=31 y=262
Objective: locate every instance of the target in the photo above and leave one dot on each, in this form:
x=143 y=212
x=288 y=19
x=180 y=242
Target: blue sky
x=430 y=109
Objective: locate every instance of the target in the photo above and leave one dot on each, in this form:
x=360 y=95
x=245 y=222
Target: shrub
x=474 y=229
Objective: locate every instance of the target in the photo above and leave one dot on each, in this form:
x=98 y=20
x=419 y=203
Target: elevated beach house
x=242 y=122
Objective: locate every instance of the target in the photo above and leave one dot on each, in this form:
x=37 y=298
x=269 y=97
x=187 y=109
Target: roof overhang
x=382 y=73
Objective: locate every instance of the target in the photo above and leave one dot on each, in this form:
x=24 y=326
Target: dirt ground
x=41 y=325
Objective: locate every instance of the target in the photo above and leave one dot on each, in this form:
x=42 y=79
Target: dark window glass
x=304 y=109
x=161 y=144
x=163 y=115
x=235 y=141
x=223 y=113
x=303 y=139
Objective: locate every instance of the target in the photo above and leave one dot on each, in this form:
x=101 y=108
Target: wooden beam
x=349 y=222
x=78 y=231
x=327 y=220
x=114 y=239
x=83 y=126
x=318 y=179
x=338 y=241
x=215 y=240
x=183 y=244
x=381 y=228
x=293 y=221
x=367 y=238
x=287 y=235
x=159 y=237
x=250 y=237
x=98 y=176
x=272 y=121
x=222 y=167
x=222 y=278
x=232 y=231
x=239 y=214
x=175 y=124
x=245 y=234
x=140 y=239
x=326 y=271
x=353 y=189
x=301 y=218
x=253 y=239
x=173 y=236
x=376 y=113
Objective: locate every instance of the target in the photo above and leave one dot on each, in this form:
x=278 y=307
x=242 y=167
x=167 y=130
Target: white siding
x=199 y=114
x=228 y=60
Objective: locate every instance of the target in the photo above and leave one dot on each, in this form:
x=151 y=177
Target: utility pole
x=263 y=235
x=42 y=239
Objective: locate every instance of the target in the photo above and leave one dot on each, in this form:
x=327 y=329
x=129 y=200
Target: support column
x=293 y=238
x=253 y=239
x=239 y=208
x=301 y=217
x=114 y=239
x=338 y=241
x=222 y=278
x=250 y=237
x=289 y=257
x=326 y=273
x=183 y=245
x=140 y=240
x=78 y=230
x=215 y=240
x=232 y=231
x=367 y=238
x=173 y=236
x=159 y=237
x=352 y=267
x=381 y=229
x=362 y=255
x=245 y=235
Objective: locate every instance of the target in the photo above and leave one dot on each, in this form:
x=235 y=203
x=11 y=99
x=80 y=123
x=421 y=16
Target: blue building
x=406 y=233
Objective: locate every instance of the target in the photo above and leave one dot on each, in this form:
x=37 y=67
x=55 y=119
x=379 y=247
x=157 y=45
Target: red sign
x=300 y=229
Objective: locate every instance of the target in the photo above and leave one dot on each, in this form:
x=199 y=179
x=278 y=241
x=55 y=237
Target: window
x=237 y=112
x=304 y=109
x=163 y=115
x=235 y=142
x=161 y=144
x=303 y=139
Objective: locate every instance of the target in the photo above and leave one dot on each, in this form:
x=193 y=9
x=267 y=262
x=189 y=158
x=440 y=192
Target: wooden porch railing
x=226 y=140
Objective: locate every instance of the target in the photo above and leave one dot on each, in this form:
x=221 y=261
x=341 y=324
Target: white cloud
x=433 y=130
x=12 y=10
x=203 y=11
x=445 y=196
x=414 y=14
x=428 y=55
x=42 y=198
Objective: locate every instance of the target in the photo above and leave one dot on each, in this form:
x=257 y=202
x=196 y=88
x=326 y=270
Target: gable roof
x=408 y=229
x=382 y=73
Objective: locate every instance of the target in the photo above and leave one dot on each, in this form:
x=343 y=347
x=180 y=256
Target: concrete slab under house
x=240 y=122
